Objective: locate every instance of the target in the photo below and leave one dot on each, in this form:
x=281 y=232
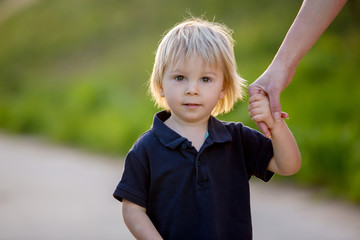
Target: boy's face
x=192 y=88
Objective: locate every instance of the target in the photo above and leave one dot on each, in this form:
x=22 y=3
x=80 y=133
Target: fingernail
x=277 y=116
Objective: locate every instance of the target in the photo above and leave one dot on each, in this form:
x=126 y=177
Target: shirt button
x=184 y=146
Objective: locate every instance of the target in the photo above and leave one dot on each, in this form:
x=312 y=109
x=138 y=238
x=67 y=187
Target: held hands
x=287 y=159
x=259 y=111
x=275 y=79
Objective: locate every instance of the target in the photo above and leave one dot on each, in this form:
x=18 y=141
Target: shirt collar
x=169 y=138
x=217 y=131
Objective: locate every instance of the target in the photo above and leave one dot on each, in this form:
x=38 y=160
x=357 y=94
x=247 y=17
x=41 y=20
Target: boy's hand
x=259 y=111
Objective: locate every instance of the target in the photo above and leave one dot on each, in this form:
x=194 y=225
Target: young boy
x=188 y=176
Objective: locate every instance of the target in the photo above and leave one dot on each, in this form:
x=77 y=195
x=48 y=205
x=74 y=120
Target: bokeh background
x=76 y=72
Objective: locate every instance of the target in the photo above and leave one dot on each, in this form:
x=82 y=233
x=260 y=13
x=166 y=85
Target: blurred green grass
x=76 y=72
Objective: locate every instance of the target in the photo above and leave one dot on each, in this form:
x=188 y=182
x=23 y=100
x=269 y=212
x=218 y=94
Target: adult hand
x=271 y=83
x=313 y=18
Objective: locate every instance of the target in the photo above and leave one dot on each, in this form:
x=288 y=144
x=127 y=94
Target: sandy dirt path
x=51 y=192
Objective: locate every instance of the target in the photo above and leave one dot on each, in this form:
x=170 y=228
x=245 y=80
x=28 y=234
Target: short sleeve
x=135 y=180
x=258 y=152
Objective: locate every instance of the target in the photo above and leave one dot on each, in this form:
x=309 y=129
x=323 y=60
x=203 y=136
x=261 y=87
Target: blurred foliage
x=76 y=72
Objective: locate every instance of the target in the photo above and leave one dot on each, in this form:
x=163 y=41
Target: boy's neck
x=194 y=132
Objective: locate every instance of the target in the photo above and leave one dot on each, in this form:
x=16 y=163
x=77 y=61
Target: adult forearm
x=313 y=18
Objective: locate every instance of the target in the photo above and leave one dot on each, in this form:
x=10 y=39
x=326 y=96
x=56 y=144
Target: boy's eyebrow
x=176 y=70
x=210 y=73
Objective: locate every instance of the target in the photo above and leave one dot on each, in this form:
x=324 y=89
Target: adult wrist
x=284 y=64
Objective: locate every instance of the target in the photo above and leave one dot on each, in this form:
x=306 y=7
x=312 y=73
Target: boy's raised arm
x=138 y=222
x=287 y=158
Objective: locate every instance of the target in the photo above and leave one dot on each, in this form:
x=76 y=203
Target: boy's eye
x=180 y=78
x=205 y=79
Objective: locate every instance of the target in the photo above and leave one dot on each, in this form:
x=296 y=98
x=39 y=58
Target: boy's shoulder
x=230 y=126
x=143 y=147
x=143 y=140
x=237 y=130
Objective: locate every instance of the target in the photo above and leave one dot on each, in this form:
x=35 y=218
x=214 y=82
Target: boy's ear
x=222 y=93
x=162 y=94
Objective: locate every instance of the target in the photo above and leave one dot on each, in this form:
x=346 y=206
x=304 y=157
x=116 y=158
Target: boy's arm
x=287 y=158
x=138 y=222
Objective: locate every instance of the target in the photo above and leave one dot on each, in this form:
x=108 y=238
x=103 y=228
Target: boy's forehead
x=182 y=60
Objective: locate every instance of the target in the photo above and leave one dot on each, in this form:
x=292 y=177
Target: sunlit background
x=76 y=72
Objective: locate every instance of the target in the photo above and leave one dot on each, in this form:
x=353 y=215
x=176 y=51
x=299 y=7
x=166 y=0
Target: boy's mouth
x=191 y=104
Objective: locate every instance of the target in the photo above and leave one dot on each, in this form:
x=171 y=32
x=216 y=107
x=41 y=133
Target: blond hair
x=196 y=37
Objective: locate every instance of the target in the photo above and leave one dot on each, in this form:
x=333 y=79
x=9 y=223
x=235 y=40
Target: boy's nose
x=192 y=89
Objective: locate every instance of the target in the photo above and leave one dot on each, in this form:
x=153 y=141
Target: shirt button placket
x=184 y=146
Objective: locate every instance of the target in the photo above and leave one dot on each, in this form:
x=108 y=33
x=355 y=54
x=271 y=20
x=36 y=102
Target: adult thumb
x=275 y=106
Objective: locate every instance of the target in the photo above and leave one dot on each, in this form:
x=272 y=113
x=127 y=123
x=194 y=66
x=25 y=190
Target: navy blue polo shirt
x=196 y=195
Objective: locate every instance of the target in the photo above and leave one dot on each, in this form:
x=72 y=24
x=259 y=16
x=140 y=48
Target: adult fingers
x=284 y=115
